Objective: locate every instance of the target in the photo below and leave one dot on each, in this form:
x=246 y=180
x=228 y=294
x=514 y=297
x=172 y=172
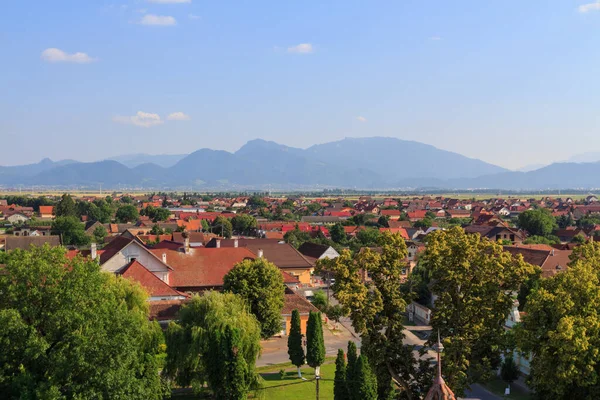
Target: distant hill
x=554 y=176
x=162 y=160
x=367 y=163
x=397 y=159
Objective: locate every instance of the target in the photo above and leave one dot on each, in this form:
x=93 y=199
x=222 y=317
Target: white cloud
x=143 y=119
x=584 y=8
x=57 y=55
x=361 y=118
x=302 y=48
x=169 y=1
x=435 y=38
x=178 y=116
x=158 y=20
x=192 y=16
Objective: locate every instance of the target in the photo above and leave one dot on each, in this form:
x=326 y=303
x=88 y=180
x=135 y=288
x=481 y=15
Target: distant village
x=178 y=245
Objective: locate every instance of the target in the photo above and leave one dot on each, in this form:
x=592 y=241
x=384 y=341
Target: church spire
x=439 y=390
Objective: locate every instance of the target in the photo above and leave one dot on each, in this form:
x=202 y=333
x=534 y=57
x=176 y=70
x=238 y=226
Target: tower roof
x=439 y=390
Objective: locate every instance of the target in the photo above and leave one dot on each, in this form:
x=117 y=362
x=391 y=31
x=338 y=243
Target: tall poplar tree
x=295 y=350
x=340 y=389
x=352 y=357
x=366 y=382
x=315 y=345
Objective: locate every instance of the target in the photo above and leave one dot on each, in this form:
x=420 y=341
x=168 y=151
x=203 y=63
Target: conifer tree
x=295 y=350
x=315 y=346
x=340 y=389
x=366 y=382
x=352 y=356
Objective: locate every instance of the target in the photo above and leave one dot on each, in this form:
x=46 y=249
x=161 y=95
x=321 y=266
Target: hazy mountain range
x=365 y=163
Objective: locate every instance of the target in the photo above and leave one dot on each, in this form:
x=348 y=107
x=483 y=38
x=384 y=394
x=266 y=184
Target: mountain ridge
x=362 y=163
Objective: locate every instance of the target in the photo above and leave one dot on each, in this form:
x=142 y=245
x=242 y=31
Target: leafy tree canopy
x=71 y=230
x=474 y=279
x=260 y=283
x=561 y=328
x=69 y=330
x=202 y=343
x=539 y=222
x=127 y=213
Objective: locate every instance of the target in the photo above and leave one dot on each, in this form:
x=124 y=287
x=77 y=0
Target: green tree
x=70 y=331
x=156 y=230
x=205 y=226
x=338 y=235
x=509 y=370
x=65 y=207
x=366 y=383
x=215 y=341
x=351 y=368
x=561 y=330
x=156 y=214
x=296 y=237
x=424 y=223
x=99 y=234
x=295 y=350
x=474 y=279
x=315 y=345
x=243 y=223
x=538 y=222
x=260 y=283
x=564 y=221
x=383 y=221
x=368 y=237
x=127 y=213
x=222 y=226
x=256 y=202
x=340 y=389
x=71 y=231
x=373 y=308
x=579 y=239
x=549 y=240
x=320 y=300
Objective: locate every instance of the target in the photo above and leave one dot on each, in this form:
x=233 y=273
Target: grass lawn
x=291 y=387
x=497 y=386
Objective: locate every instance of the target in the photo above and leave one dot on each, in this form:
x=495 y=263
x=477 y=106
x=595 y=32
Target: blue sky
x=511 y=82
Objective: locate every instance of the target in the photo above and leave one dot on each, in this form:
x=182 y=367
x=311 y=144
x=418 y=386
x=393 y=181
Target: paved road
x=477 y=392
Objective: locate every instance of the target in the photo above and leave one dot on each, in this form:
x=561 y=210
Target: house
x=315 y=251
x=401 y=231
x=293 y=301
x=549 y=259
x=399 y=224
x=32 y=231
x=47 y=212
x=157 y=289
x=199 y=269
x=25 y=242
x=17 y=218
x=391 y=214
x=283 y=255
x=121 y=251
x=496 y=233
x=416 y=215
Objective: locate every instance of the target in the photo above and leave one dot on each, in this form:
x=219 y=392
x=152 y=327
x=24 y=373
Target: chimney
x=93 y=251
x=260 y=253
x=186 y=245
x=164 y=258
x=235 y=243
x=552 y=252
x=218 y=244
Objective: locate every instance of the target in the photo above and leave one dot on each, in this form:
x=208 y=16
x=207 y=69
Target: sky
x=510 y=82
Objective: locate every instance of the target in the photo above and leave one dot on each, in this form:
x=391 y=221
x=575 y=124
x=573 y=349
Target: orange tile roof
x=46 y=209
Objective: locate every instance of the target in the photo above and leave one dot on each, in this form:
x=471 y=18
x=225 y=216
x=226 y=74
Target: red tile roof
x=165 y=310
x=153 y=284
x=202 y=267
x=46 y=209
